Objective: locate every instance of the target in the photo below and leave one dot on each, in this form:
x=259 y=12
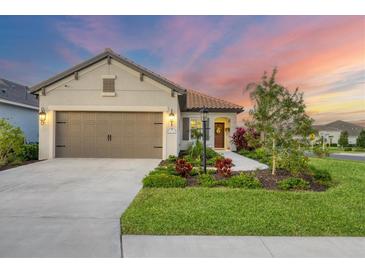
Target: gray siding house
x=20 y=108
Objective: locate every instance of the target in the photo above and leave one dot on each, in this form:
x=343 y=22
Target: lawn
x=340 y=211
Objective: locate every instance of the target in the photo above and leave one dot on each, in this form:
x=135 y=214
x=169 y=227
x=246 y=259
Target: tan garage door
x=109 y=134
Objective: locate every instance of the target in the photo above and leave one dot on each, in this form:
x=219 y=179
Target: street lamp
x=204 y=117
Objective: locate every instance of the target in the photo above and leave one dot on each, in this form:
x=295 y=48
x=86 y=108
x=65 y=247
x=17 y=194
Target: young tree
x=279 y=115
x=360 y=141
x=343 y=141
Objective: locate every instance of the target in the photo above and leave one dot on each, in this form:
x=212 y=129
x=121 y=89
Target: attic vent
x=108 y=85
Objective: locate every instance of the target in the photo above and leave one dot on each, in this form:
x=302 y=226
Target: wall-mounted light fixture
x=42 y=116
x=171 y=117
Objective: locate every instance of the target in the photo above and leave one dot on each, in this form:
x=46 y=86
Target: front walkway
x=242 y=163
x=242 y=247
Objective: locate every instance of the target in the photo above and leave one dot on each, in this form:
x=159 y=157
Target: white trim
x=52 y=122
x=108 y=108
x=109 y=77
x=108 y=94
x=17 y=104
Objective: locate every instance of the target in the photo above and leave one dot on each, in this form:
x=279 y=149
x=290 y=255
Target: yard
x=339 y=211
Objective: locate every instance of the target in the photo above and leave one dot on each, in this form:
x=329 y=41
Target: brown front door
x=219 y=135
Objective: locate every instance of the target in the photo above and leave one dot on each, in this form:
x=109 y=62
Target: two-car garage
x=108 y=134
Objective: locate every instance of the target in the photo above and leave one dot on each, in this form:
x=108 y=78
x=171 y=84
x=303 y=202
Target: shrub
x=320 y=152
x=169 y=169
x=207 y=180
x=164 y=180
x=293 y=161
x=171 y=159
x=192 y=160
x=293 y=184
x=244 y=180
x=320 y=175
x=29 y=152
x=211 y=153
x=183 y=167
x=244 y=138
x=224 y=166
x=347 y=149
x=212 y=161
x=11 y=141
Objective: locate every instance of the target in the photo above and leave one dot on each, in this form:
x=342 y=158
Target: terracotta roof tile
x=196 y=100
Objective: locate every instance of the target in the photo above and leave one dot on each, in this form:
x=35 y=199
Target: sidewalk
x=242 y=163
x=145 y=246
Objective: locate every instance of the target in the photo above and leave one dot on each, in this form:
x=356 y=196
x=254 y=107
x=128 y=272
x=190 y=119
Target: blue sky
x=322 y=55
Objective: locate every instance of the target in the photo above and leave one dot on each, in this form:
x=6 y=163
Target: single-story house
x=111 y=107
x=331 y=132
x=19 y=108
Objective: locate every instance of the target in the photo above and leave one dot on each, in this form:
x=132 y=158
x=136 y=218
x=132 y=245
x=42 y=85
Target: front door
x=219 y=135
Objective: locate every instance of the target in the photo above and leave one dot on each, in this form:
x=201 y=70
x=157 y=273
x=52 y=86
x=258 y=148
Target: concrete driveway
x=67 y=207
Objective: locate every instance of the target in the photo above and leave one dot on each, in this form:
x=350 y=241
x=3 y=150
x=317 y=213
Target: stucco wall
x=25 y=118
x=230 y=120
x=85 y=94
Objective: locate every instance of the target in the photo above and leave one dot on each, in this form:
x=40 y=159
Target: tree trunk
x=273 y=171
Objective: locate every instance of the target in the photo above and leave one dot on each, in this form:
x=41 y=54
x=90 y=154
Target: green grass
x=340 y=211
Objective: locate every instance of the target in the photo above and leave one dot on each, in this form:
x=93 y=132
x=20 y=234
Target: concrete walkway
x=242 y=163
x=242 y=247
x=67 y=207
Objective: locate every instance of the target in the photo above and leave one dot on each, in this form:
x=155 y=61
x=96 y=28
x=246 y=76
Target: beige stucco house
x=110 y=107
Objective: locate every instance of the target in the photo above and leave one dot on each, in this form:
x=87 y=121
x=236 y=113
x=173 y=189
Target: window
x=195 y=124
x=108 y=85
x=185 y=129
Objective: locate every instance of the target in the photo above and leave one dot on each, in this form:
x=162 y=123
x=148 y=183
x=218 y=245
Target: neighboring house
x=108 y=106
x=331 y=132
x=20 y=108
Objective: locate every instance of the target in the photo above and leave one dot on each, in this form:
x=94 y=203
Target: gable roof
x=195 y=101
x=189 y=101
x=108 y=53
x=16 y=93
x=352 y=129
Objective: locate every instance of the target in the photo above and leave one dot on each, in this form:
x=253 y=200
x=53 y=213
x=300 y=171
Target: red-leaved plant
x=240 y=138
x=183 y=167
x=224 y=166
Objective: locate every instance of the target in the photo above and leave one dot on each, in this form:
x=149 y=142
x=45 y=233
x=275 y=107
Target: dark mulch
x=9 y=166
x=267 y=180
x=270 y=181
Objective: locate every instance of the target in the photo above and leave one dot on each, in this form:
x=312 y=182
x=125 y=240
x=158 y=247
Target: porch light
x=171 y=117
x=204 y=114
x=42 y=116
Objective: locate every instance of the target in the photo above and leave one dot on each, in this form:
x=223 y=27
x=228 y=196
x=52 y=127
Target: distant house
x=20 y=108
x=331 y=132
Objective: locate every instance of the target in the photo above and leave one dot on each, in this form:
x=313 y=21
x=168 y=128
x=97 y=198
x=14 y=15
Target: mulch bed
x=9 y=166
x=267 y=180
x=270 y=181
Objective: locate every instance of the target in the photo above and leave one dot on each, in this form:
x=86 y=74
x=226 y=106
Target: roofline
x=5 y=101
x=108 y=53
x=232 y=110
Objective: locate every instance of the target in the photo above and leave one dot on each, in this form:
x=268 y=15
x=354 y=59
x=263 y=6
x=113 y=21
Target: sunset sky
x=322 y=55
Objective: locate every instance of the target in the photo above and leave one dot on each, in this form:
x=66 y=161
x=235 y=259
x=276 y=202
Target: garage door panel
x=85 y=134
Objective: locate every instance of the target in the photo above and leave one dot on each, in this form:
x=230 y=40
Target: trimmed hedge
x=163 y=180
